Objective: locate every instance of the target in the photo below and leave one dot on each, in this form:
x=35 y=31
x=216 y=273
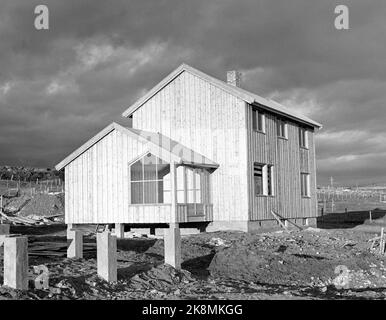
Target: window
x=281 y=129
x=188 y=178
x=193 y=184
x=263 y=179
x=258 y=121
x=270 y=180
x=147 y=179
x=258 y=177
x=303 y=138
x=305 y=184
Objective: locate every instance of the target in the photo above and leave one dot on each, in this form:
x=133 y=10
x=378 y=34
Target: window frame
x=305 y=189
x=142 y=182
x=267 y=180
x=255 y=121
x=279 y=123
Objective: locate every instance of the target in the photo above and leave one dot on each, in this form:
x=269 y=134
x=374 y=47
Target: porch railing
x=191 y=212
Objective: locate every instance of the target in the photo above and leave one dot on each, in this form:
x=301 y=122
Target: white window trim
x=270 y=167
x=306 y=145
x=307 y=186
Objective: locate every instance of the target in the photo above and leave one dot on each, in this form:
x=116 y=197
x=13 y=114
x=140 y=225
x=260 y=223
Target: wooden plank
x=279 y=221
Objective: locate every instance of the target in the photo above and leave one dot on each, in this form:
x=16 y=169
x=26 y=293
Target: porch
x=168 y=192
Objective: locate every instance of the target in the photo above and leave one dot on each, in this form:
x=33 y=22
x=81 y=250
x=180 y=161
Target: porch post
x=185 y=183
x=172 y=236
x=173 y=182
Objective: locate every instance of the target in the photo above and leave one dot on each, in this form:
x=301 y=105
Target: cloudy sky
x=60 y=86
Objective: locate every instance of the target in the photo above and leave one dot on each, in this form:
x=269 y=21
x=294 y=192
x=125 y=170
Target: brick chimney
x=234 y=78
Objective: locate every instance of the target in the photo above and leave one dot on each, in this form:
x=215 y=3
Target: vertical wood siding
x=97 y=186
x=97 y=182
x=211 y=122
x=289 y=160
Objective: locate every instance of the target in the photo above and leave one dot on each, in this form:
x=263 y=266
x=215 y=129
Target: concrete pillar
x=172 y=246
x=119 y=230
x=107 y=256
x=4 y=232
x=75 y=245
x=16 y=262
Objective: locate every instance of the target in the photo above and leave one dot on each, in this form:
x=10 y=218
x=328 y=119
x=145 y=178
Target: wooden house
x=201 y=152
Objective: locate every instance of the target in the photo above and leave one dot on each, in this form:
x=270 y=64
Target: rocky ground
x=309 y=264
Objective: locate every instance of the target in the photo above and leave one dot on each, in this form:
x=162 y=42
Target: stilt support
x=75 y=246
x=120 y=230
x=172 y=243
x=107 y=256
x=16 y=262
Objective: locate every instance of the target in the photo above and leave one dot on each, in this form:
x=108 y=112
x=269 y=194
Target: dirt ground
x=36 y=205
x=309 y=264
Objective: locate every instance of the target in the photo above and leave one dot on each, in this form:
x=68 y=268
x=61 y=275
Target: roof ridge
x=249 y=97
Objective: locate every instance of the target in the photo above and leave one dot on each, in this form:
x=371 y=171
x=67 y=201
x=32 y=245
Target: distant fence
x=339 y=199
x=13 y=187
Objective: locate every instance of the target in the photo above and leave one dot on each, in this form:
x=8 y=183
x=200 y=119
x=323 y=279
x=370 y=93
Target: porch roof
x=157 y=143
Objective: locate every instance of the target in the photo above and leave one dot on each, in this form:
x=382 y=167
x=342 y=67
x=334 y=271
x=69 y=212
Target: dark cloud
x=59 y=87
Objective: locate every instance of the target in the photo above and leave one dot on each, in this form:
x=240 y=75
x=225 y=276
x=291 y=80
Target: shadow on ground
x=132 y=270
x=350 y=219
x=39 y=230
x=136 y=245
x=199 y=266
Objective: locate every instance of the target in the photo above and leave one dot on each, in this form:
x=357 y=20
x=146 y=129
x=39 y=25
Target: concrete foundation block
x=16 y=262
x=119 y=230
x=172 y=244
x=75 y=243
x=311 y=221
x=107 y=256
x=227 y=225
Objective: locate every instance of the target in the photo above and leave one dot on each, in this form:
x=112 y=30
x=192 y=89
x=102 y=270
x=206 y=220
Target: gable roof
x=245 y=95
x=158 y=144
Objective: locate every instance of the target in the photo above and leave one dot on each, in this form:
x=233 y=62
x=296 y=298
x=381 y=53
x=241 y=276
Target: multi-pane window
x=188 y=178
x=193 y=184
x=258 y=120
x=303 y=138
x=263 y=179
x=305 y=184
x=146 y=176
x=281 y=128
